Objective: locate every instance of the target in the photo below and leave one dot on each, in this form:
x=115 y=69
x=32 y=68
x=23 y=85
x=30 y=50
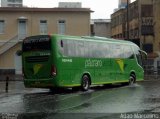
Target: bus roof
x=92 y=38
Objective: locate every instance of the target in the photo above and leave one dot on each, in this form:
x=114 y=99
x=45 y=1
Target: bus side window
x=128 y=52
x=117 y=51
x=86 y=49
x=64 y=49
x=60 y=48
x=79 y=48
x=71 y=50
x=91 y=49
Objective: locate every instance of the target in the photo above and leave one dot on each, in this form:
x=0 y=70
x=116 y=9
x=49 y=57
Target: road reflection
x=93 y=100
x=100 y=100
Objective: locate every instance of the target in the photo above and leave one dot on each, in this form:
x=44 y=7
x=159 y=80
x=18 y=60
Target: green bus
x=53 y=61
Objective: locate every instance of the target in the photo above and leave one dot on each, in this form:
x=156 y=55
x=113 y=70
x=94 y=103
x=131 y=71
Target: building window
x=148 y=48
x=20 y=1
x=43 y=27
x=2 y=23
x=61 y=27
x=13 y=1
x=147 y=11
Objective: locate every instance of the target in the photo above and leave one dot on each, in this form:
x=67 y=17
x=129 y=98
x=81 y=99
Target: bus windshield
x=37 y=43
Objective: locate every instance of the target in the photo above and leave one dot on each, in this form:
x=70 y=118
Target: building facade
x=156 y=23
x=123 y=3
x=18 y=23
x=70 y=5
x=140 y=24
x=11 y=3
x=101 y=27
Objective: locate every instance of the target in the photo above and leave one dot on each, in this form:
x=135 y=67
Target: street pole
x=7 y=79
x=127 y=20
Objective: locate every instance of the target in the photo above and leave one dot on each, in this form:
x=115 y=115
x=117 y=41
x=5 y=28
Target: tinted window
x=116 y=51
x=104 y=50
x=78 y=48
x=37 y=43
x=128 y=52
x=73 y=48
x=96 y=50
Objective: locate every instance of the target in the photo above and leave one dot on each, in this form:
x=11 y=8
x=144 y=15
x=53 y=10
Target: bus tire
x=55 y=90
x=132 y=79
x=85 y=84
x=52 y=90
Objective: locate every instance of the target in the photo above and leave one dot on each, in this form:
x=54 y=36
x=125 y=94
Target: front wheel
x=85 y=84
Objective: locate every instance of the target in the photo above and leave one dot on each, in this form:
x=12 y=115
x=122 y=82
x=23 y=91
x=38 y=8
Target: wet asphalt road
x=111 y=102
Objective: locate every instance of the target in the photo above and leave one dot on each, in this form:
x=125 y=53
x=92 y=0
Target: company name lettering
x=66 y=60
x=93 y=63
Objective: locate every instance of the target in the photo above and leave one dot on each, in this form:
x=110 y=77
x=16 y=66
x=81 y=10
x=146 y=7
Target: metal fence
x=152 y=69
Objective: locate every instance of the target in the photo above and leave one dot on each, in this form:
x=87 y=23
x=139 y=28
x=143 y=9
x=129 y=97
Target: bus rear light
x=53 y=70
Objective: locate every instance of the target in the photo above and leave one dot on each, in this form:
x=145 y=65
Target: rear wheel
x=132 y=79
x=52 y=90
x=55 y=90
x=85 y=84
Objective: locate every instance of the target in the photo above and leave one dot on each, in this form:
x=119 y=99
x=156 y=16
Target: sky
x=102 y=8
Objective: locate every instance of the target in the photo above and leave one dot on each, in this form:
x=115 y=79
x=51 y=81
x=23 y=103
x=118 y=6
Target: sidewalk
x=152 y=77
x=17 y=88
x=13 y=87
x=11 y=77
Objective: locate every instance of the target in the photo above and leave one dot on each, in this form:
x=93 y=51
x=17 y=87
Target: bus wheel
x=132 y=79
x=85 y=84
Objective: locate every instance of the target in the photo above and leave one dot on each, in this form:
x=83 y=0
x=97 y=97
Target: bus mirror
x=19 y=52
x=144 y=54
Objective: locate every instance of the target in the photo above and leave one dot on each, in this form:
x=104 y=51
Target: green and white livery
x=51 y=61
